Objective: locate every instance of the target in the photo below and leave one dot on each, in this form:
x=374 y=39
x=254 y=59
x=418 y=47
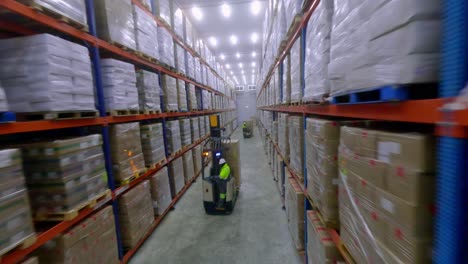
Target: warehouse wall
x=246 y=105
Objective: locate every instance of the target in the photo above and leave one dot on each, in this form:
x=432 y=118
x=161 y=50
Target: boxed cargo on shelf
x=295 y=72
x=127 y=154
x=387 y=179
x=160 y=191
x=201 y=123
x=146 y=32
x=232 y=156
x=3 y=100
x=294 y=203
x=182 y=95
x=136 y=214
x=152 y=143
x=174 y=143
x=166 y=47
x=195 y=128
x=320 y=246
x=170 y=93
x=189 y=171
x=55 y=76
x=283 y=135
x=188 y=33
x=149 y=91
x=177 y=19
x=115 y=23
x=64 y=174
x=317 y=53
x=185 y=132
x=119 y=85
x=72 y=9
x=179 y=58
x=280 y=177
x=190 y=66
x=197 y=158
x=163 y=10
x=93 y=240
x=15 y=212
x=176 y=176
x=192 y=98
x=296 y=146
x=322 y=140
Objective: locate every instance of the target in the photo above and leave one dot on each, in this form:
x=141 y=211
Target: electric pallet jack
x=214 y=149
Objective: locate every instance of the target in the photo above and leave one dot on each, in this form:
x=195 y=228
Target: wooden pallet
x=135 y=176
x=52 y=13
x=150 y=112
x=7 y=117
x=327 y=224
x=121 y=46
x=294 y=24
x=295 y=103
x=172 y=111
x=73 y=213
x=157 y=164
x=56 y=115
x=123 y=112
x=22 y=244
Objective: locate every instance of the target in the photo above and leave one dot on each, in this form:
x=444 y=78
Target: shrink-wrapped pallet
x=185 y=132
x=170 y=93
x=93 y=240
x=195 y=127
x=3 y=100
x=296 y=145
x=114 y=22
x=63 y=174
x=152 y=143
x=146 y=33
x=16 y=211
x=166 y=47
x=176 y=176
x=136 y=214
x=286 y=80
x=42 y=73
x=160 y=191
x=283 y=135
x=163 y=10
x=317 y=53
x=296 y=84
x=189 y=171
x=197 y=70
x=177 y=19
x=197 y=158
x=201 y=122
x=188 y=33
x=174 y=143
x=72 y=9
x=294 y=203
x=119 y=83
x=207 y=103
x=182 y=96
x=190 y=66
x=320 y=245
x=149 y=91
x=192 y=96
x=127 y=155
x=180 y=59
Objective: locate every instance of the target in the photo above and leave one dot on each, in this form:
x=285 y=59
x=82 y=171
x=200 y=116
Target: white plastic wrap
x=197 y=70
x=195 y=128
x=287 y=80
x=317 y=54
x=178 y=19
x=207 y=124
x=197 y=158
x=185 y=132
x=160 y=191
x=192 y=98
x=114 y=22
x=152 y=143
x=180 y=59
x=201 y=122
x=206 y=100
x=169 y=88
x=174 y=143
x=296 y=89
x=119 y=81
x=188 y=33
x=72 y=9
x=46 y=73
x=3 y=100
x=163 y=10
x=294 y=204
x=166 y=47
x=189 y=171
x=149 y=90
x=283 y=135
x=190 y=66
x=146 y=33
x=177 y=178
x=181 y=95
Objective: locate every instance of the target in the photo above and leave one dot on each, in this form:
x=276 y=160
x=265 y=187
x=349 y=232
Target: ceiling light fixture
x=240 y=65
x=213 y=41
x=253 y=64
x=226 y=10
x=228 y=66
x=255 y=7
x=233 y=39
x=254 y=54
x=222 y=56
x=254 y=37
x=197 y=13
x=238 y=55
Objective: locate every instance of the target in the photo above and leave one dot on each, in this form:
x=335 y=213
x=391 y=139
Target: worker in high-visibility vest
x=224 y=174
x=244 y=125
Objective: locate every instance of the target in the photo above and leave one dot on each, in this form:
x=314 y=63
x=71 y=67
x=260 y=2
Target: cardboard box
x=176 y=176
x=152 y=142
x=160 y=191
x=320 y=246
x=189 y=171
x=294 y=203
x=360 y=141
x=410 y=185
x=406 y=247
x=296 y=146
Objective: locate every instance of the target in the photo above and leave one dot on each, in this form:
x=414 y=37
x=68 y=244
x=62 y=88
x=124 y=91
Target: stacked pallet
x=163 y=10
x=174 y=143
x=170 y=93
x=192 y=98
x=180 y=54
x=197 y=158
x=296 y=145
x=182 y=95
x=283 y=135
x=166 y=47
x=294 y=203
x=146 y=32
x=185 y=132
x=189 y=171
x=152 y=143
x=160 y=191
x=195 y=128
x=149 y=91
x=320 y=246
x=176 y=176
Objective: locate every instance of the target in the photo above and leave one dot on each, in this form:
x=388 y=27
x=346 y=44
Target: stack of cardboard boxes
x=185 y=132
x=152 y=143
x=294 y=203
x=296 y=146
x=386 y=195
x=177 y=178
x=136 y=214
x=189 y=171
x=92 y=241
x=160 y=191
x=127 y=154
x=322 y=140
x=197 y=158
x=174 y=143
x=195 y=128
x=320 y=246
x=182 y=96
x=169 y=92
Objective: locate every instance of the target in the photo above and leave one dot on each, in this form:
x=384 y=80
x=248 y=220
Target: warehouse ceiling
x=221 y=23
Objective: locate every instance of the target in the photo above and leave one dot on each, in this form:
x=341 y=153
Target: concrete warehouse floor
x=256 y=231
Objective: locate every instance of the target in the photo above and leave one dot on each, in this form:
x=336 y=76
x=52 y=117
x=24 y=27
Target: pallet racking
x=451 y=128
x=97 y=48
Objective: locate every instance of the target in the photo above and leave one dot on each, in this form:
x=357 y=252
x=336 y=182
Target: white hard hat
x=222 y=161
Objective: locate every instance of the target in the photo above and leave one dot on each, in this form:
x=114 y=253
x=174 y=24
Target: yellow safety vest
x=225 y=172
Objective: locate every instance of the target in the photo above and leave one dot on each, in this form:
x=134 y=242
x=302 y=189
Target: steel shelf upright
x=452 y=173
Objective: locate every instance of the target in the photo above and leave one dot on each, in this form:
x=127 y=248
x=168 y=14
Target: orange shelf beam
x=43 y=125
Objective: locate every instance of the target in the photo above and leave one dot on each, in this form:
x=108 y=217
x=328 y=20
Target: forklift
x=214 y=149
x=247 y=128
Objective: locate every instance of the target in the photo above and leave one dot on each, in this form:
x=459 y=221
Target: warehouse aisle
x=256 y=232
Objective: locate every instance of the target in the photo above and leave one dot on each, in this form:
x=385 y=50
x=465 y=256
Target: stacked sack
x=114 y=22
x=46 y=73
x=160 y=191
x=127 y=155
x=146 y=32
x=119 y=84
x=384 y=42
x=149 y=91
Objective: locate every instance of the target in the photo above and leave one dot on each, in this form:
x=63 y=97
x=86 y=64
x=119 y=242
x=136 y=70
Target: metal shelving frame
x=451 y=129
x=96 y=46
